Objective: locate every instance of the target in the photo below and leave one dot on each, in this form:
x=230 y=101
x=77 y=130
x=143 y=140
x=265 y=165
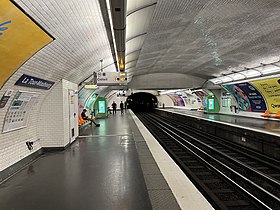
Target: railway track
x=230 y=176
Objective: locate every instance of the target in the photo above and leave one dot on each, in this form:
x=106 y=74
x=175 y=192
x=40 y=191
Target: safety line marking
x=105 y=135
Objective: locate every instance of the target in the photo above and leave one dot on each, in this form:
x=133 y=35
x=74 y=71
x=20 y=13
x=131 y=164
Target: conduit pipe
x=118 y=11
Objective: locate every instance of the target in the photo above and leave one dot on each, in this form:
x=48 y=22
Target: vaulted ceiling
x=205 y=38
x=199 y=38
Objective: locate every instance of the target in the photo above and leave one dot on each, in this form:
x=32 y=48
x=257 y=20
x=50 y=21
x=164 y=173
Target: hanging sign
x=20 y=38
x=34 y=82
x=111 y=78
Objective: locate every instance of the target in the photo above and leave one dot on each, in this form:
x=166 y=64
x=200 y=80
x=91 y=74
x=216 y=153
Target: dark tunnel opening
x=142 y=102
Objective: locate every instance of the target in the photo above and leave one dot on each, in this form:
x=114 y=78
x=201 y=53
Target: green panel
x=213 y=105
x=100 y=107
x=90 y=101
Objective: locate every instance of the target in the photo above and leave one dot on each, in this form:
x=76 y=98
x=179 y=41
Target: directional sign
x=111 y=78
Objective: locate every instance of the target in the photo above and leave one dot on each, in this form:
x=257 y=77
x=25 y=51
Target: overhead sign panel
x=111 y=78
x=20 y=38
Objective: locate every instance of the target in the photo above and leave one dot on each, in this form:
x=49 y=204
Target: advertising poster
x=101 y=107
x=248 y=97
x=20 y=108
x=270 y=89
x=211 y=104
x=201 y=94
x=177 y=100
x=20 y=38
x=180 y=100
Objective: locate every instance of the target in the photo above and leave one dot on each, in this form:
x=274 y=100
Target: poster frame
x=22 y=127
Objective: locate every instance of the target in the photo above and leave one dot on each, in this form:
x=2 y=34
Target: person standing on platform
x=125 y=105
x=114 y=106
x=121 y=107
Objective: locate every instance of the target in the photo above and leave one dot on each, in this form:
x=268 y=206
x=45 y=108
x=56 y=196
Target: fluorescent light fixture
x=163 y=92
x=238 y=76
x=112 y=29
x=252 y=73
x=264 y=70
x=226 y=79
x=268 y=69
x=216 y=81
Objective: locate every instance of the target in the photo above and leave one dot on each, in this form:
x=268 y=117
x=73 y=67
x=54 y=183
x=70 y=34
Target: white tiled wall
x=54 y=130
x=51 y=118
x=12 y=144
x=72 y=55
x=48 y=123
x=66 y=85
x=164 y=99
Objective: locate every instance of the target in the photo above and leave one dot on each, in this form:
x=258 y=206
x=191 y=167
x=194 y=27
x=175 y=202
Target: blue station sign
x=34 y=82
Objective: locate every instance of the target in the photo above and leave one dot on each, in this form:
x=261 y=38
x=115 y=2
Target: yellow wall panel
x=20 y=38
x=270 y=89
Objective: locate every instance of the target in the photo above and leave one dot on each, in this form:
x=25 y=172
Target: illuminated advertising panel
x=248 y=97
x=20 y=38
x=101 y=107
x=211 y=104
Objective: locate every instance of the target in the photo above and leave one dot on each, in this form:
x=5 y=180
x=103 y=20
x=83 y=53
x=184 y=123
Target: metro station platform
x=107 y=167
x=255 y=124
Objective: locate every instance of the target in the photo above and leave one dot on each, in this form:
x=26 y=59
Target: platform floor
x=256 y=124
x=108 y=167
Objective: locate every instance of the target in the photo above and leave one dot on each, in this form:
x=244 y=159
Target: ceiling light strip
x=263 y=71
x=112 y=31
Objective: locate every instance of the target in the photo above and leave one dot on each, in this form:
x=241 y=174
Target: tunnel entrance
x=142 y=101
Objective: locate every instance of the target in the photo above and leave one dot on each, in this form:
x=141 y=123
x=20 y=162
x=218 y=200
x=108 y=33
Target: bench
x=277 y=115
x=267 y=114
x=81 y=121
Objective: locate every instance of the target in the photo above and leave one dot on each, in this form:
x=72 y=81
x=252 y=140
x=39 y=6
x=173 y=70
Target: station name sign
x=34 y=82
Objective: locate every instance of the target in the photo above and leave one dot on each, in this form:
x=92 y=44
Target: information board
x=19 y=111
x=111 y=78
